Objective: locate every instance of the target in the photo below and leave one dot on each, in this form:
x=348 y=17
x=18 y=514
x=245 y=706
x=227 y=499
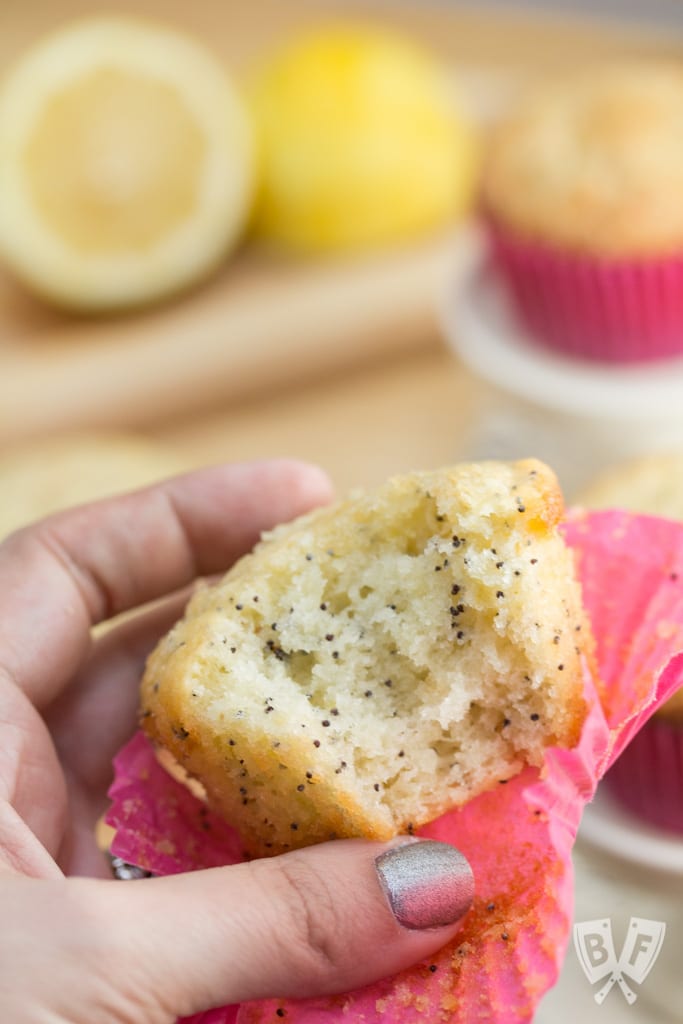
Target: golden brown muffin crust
x=594 y=163
x=377 y=662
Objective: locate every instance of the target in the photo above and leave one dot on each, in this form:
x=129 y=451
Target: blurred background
x=372 y=235
x=332 y=351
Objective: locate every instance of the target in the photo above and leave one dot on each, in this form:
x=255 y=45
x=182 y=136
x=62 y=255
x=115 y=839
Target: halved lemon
x=126 y=163
x=363 y=141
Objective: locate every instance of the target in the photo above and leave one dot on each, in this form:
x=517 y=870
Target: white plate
x=614 y=831
x=484 y=330
x=579 y=417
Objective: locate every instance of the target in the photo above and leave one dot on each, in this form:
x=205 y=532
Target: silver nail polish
x=125 y=872
x=428 y=884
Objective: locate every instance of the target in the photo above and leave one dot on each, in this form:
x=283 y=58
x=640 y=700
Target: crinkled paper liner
x=517 y=837
x=616 y=311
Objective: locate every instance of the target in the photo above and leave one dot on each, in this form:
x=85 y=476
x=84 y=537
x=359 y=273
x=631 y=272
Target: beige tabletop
x=374 y=405
x=413 y=408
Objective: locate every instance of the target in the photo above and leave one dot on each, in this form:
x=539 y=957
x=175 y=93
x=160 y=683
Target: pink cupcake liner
x=518 y=837
x=648 y=777
x=614 y=311
x=221 y=1015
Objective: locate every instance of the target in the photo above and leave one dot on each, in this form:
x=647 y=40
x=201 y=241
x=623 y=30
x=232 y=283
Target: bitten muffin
x=648 y=777
x=583 y=191
x=380 y=661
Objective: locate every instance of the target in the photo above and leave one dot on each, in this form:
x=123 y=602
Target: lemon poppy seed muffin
x=380 y=661
x=594 y=163
x=648 y=776
x=583 y=193
x=653 y=485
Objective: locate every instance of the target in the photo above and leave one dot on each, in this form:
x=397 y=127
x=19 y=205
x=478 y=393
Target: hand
x=81 y=950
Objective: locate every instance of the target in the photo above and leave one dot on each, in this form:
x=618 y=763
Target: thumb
x=322 y=920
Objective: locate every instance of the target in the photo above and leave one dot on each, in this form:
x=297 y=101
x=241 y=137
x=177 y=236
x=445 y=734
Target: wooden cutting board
x=262 y=324
x=258 y=326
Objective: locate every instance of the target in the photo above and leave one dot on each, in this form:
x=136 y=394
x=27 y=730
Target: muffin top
x=594 y=163
x=653 y=485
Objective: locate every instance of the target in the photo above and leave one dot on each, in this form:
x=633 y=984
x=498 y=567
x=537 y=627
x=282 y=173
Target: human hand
x=81 y=950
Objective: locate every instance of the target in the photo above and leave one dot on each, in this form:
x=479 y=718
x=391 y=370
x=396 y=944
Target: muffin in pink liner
x=612 y=311
x=513 y=940
x=648 y=777
x=583 y=201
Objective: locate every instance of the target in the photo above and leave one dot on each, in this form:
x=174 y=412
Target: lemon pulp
x=126 y=164
x=114 y=161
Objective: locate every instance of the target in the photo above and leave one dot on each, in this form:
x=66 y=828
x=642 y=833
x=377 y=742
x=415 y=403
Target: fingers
x=33 y=799
x=313 y=922
x=85 y=565
x=92 y=719
x=21 y=850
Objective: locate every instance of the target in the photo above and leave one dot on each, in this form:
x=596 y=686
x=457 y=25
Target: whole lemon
x=362 y=142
